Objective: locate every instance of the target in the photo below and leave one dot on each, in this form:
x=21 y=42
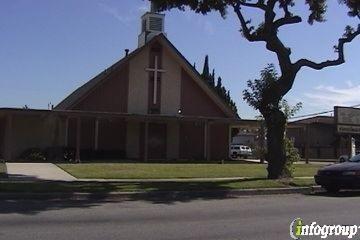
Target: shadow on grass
x=164 y=193
x=61 y=195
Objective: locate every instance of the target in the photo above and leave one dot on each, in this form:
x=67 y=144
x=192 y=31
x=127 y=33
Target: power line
x=312 y=114
x=320 y=113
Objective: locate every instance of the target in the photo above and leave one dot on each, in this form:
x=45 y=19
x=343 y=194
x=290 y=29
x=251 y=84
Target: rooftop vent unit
x=152 y=24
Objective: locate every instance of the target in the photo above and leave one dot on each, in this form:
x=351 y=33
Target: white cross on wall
x=156 y=71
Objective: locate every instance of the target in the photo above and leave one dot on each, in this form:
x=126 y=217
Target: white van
x=238 y=150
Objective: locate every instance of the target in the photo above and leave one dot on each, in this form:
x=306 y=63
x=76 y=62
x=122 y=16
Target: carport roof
x=317 y=119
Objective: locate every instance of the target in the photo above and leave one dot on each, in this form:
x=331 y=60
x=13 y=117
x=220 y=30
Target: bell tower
x=152 y=24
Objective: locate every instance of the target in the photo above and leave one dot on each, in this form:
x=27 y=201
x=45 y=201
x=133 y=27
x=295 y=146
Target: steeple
x=152 y=24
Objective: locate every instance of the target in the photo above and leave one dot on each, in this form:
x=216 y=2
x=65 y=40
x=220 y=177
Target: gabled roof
x=77 y=95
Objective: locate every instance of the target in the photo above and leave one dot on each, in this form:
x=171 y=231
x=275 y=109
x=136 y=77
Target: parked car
x=237 y=150
x=338 y=176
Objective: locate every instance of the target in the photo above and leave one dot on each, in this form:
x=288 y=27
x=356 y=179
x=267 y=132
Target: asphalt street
x=250 y=217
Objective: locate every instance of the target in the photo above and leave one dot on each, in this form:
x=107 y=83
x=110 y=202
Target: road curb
x=118 y=196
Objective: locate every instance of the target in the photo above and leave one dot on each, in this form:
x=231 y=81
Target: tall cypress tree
x=206 y=72
x=212 y=79
x=228 y=96
x=222 y=92
x=219 y=85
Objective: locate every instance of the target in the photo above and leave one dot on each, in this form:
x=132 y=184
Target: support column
x=8 y=138
x=66 y=140
x=56 y=139
x=207 y=141
x=351 y=152
x=230 y=141
x=262 y=142
x=173 y=141
x=96 y=143
x=146 y=136
x=78 y=140
x=307 y=143
x=133 y=140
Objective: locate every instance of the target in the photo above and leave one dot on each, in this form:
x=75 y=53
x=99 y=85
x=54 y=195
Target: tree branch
x=245 y=29
x=285 y=7
x=340 y=60
x=287 y=20
x=288 y=16
x=270 y=14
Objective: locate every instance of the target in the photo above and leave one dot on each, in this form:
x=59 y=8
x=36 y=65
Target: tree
x=207 y=77
x=292 y=154
x=219 y=89
x=219 y=84
x=206 y=72
x=272 y=21
x=212 y=78
x=254 y=96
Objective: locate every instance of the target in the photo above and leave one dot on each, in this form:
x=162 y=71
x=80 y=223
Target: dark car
x=338 y=176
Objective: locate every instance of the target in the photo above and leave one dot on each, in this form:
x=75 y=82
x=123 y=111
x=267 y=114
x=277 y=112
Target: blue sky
x=48 y=48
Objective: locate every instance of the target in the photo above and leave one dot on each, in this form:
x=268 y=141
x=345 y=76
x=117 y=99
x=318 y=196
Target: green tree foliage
x=354 y=7
x=288 y=110
x=218 y=88
x=292 y=156
x=254 y=95
x=317 y=8
x=292 y=153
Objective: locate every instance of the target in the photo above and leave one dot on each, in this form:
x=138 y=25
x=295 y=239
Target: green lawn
x=91 y=187
x=2 y=169
x=156 y=170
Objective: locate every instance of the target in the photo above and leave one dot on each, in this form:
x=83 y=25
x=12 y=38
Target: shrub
x=33 y=155
x=54 y=153
x=292 y=156
x=69 y=154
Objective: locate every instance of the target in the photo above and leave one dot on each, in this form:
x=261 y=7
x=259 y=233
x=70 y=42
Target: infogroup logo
x=298 y=229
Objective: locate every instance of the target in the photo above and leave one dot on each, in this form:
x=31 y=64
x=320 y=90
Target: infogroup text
x=298 y=229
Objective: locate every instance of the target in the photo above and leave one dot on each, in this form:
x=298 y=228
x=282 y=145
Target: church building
x=152 y=104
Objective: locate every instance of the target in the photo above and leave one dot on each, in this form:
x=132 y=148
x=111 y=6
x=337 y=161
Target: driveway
x=37 y=171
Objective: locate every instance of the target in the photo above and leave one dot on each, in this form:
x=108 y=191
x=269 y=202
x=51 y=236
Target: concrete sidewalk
x=37 y=171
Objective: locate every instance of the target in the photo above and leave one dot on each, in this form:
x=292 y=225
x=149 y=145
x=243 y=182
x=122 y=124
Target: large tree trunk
x=276 y=157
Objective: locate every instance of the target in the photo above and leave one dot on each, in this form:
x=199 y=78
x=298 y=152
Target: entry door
x=157 y=141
